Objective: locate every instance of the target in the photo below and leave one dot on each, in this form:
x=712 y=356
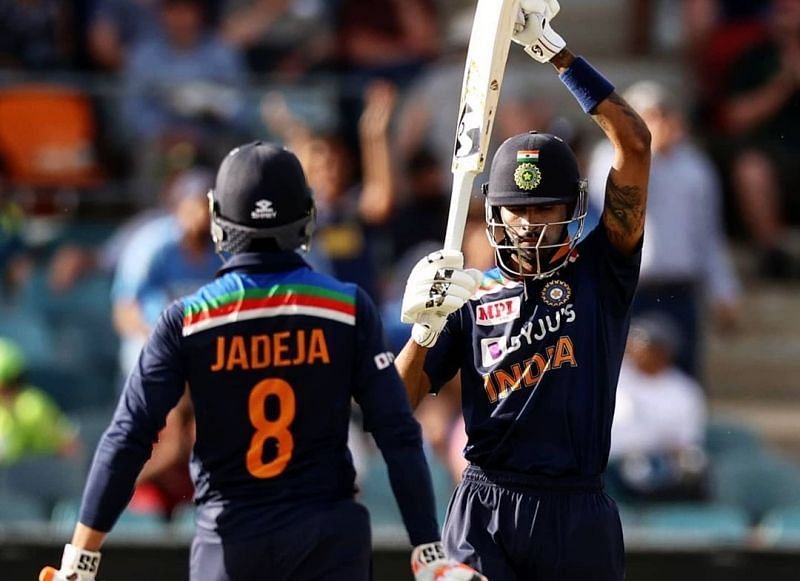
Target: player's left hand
x=76 y=565
x=533 y=30
x=429 y=563
x=437 y=286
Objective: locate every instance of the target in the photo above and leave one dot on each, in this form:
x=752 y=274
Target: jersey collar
x=263 y=262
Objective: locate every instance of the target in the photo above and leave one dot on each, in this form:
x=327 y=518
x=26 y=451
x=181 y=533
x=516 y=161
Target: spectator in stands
x=116 y=27
x=350 y=214
x=392 y=40
x=422 y=215
x=760 y=113
x=146 y=229
x=166 y=258
x=659 y=423
x=30 y=422
x=36 y=34
x=15 y=264
x=685 y=263
x=715 y=34
x=282 y=37
x=183 y=87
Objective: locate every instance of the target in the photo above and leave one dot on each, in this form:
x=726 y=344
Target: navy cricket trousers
x=513 y=527
x=332 y=545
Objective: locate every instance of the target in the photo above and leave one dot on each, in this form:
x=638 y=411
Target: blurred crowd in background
x=115 y=113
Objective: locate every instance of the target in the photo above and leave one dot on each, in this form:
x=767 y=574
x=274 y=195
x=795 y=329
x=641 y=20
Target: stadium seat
x=131 y=525
x=45 y=478
x=692 y=524
x=64 y=516
x=629 y=516
x=755 y=482
x=18 y=508
x=91 y=423
x=726 y=436
x=47 y=137
x=82 y=369
x=781 y=528
x=30 y=333
x=182 y=523
x=376 y=493
x=139 y=525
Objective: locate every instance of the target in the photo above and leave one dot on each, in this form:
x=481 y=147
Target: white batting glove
x=76 y=565
x=429 y=563
x=533 y=30
x=437 y=286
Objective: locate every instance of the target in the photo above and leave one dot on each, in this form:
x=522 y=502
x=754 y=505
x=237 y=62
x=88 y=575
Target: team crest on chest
x=556 y=293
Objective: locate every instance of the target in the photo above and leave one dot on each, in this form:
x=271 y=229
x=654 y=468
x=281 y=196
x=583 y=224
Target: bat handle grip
x=459 y=208
x=456 y=222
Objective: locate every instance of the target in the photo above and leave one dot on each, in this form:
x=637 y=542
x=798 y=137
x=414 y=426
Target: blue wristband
x=586 y=84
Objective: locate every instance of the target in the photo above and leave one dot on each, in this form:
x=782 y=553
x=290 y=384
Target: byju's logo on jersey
x=497 y=312
x=556 y=293
x=493 y=349
x=263 y=211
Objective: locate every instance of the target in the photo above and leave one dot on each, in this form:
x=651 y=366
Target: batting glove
x=76 y=565
x=437 y=286
x=429 y=563
x=533 y=30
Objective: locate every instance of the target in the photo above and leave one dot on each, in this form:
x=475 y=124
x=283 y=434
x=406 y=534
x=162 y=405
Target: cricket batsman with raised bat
x=539 y=341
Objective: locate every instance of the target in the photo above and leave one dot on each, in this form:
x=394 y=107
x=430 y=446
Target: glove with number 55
x=76 y=565
x=533 y=29
x=437 y=286
x=429 y=563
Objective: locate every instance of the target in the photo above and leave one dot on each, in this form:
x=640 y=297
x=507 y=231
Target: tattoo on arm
x=624 y=107
x=624 y=209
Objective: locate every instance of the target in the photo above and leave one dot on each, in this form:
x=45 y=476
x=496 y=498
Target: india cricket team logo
x=527 y=175
x=556 y=293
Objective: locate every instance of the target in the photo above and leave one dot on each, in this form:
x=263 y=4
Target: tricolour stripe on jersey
x=493 y=282
x=292 y=299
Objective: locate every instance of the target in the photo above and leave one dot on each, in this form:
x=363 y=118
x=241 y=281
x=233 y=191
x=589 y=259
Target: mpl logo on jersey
x=497 y=312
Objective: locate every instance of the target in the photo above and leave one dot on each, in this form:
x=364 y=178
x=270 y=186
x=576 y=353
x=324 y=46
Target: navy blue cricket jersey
x=539 y=363
x=272 y=352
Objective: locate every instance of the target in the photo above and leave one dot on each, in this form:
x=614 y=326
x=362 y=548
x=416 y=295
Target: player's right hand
x=429 y=563
x=437 y=286
x=533 y=30
x=76 y=565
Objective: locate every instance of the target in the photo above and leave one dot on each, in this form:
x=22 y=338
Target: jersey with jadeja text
x=272 y=353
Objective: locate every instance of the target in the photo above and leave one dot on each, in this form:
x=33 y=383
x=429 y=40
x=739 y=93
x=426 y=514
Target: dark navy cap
x=262 y=185
x=532 y=169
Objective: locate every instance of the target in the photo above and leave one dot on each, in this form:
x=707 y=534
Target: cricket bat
x=489 y=43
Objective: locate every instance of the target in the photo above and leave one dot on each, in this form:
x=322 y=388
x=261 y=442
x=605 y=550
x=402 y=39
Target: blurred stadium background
x=112 y=111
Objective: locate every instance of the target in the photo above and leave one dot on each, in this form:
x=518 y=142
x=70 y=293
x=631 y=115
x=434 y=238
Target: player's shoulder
x=307 y=291
x=495 y=285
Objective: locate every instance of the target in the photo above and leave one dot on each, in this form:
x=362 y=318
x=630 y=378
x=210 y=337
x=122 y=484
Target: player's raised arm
x=626 y=188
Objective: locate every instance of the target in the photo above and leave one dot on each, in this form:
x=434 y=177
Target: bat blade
x=492 y=28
